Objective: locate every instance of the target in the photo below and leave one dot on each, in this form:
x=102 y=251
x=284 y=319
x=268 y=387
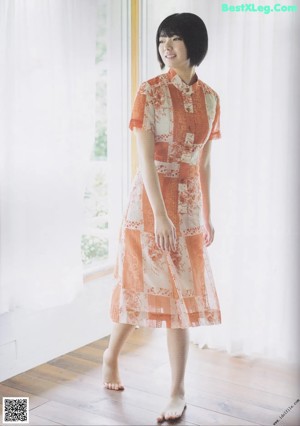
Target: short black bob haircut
x=191 y=29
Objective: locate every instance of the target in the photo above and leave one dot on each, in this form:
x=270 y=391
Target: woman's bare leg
x=110 y=371
x=178 y=347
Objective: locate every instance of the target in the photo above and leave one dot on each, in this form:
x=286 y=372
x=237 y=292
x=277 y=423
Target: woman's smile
x=170 y=56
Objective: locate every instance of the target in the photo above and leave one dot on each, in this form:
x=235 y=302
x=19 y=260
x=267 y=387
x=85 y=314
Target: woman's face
x=173 y=52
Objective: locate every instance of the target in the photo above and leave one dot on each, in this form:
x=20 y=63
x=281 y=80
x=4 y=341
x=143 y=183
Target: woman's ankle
x=177 y=395
x=110 y=357
x=177 y=392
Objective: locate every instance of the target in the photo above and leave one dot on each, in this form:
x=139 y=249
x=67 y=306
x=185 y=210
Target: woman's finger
x=168 y=242
x=209 y=237
x=174 y=239
x=157 y=240
x=165 y=242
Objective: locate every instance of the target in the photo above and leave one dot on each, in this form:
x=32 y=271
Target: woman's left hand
x=209 y=233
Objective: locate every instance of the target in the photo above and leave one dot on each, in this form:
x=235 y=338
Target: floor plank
x=220 y=389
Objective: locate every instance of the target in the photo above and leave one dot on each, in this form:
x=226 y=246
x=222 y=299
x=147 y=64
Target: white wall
x=30 y=338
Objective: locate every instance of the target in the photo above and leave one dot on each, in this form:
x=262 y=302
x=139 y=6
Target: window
x=107 y=185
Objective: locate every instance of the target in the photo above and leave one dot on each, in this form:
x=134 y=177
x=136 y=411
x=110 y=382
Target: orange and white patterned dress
x=157 y=288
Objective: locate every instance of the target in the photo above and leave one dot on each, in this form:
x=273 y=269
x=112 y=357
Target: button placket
x=188 y=103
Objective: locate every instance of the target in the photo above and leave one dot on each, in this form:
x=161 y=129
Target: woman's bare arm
x=165 y=233
x=205 y=189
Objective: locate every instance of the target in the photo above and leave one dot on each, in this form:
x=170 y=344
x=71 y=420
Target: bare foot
x=110 y=373
x=173 y=410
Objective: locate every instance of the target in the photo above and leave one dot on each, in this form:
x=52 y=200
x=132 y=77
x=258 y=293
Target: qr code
x=15 y=409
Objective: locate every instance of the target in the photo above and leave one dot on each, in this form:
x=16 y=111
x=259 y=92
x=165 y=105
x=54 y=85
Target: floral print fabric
x=156 y=288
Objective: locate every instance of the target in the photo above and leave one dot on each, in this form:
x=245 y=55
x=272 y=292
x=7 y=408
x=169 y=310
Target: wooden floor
x=220 y=389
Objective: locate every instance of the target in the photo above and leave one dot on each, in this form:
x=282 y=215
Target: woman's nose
x=168 y=43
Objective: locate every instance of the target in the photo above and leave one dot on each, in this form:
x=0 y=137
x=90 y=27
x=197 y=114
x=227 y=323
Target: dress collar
x=180 y=84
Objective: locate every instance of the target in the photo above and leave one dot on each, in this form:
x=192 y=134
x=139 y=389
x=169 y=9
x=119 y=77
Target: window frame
x=118 y=137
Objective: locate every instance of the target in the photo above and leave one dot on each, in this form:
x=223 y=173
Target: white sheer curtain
x=252 y=64
x=47 y=98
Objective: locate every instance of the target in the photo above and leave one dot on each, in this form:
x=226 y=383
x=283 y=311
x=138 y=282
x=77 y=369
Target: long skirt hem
x=160 y=320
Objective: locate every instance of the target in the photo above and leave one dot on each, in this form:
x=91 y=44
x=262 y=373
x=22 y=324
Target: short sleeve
x=142 y=115
x=215 y=130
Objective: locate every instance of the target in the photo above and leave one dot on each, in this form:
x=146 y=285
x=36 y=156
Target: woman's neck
x=188 y=75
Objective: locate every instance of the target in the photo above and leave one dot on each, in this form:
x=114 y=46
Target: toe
x=119 y=387
x=172 y=415
x=169 y=417
x=113 y=386
x=160 y=418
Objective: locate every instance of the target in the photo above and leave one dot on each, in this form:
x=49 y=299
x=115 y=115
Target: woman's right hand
x=165 y=233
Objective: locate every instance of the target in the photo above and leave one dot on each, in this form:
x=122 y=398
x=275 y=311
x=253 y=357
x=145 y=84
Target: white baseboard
x=29 y=338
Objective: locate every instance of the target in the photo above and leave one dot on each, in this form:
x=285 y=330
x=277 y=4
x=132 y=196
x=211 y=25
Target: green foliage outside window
x=94 y=242
x=93 y=248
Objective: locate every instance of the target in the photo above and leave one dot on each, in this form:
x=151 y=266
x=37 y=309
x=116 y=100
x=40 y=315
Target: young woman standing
x=163 y=274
